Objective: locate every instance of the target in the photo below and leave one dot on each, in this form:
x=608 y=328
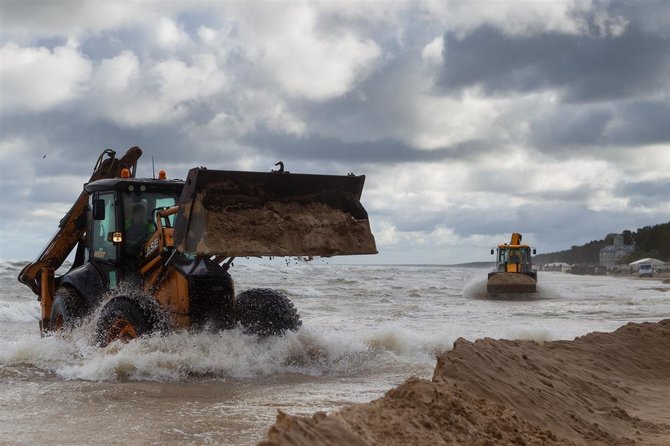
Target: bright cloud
x=132 y=95
x=285 y=41
x=36 y=79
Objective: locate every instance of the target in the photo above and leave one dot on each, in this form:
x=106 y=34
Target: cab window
x=102 y=247
x=140 y=217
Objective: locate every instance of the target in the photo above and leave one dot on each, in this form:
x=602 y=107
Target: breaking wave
x=185 y=356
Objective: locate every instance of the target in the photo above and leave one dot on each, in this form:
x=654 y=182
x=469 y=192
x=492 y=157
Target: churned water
x=365 y=329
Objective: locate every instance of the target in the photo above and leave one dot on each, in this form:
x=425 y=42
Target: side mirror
x=491 y=252
x=98 y=209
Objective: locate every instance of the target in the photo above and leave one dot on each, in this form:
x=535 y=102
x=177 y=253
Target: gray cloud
x=354 y=153
x=585 y=67
x=645 y=193
x=572 y=127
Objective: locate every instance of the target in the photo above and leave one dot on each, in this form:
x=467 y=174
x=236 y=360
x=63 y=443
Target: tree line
x=649 y=241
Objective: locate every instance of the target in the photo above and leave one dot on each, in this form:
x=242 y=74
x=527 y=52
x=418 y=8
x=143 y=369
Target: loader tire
x=67 y=309
x=266 y=312
x=122 y=319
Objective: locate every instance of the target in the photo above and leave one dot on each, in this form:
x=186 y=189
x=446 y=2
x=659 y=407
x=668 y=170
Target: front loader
x=154 y=254
x=514 y=275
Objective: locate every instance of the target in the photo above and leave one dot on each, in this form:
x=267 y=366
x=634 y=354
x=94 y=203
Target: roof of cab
x=150 y=184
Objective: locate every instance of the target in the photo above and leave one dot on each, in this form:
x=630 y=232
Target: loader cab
x=122 y=219
x=513 y=258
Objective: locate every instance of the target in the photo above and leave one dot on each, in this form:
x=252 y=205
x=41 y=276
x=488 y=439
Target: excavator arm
x=38 y=275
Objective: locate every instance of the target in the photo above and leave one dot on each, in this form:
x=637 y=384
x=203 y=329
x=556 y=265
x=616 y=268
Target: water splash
x=476 y=289
x=184 y=356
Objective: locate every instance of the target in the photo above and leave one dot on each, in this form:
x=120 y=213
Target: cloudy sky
x=470 y=119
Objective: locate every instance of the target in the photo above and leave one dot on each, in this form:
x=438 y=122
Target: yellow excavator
x=514 y=274
x=154 y=253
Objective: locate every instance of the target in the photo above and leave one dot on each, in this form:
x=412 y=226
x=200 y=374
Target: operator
x=137 y=230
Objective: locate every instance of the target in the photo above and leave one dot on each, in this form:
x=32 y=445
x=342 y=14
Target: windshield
x=143 y=205
x=139 y=211
x=520 y=255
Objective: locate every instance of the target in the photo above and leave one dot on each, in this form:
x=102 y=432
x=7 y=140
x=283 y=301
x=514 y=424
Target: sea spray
x=476 y=288
x=184 y=356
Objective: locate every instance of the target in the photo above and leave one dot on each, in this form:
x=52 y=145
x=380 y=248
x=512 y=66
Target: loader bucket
x=254 y=214
x=510 y=283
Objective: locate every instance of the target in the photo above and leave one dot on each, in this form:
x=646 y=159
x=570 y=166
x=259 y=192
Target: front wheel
x=121 y=319
x=266 y=312
x=67 y=309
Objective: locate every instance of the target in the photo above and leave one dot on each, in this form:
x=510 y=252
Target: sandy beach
x=601 y=388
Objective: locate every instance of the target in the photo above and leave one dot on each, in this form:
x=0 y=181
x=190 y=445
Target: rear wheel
x=266 y=312
x=122 y=319
x=67 y=309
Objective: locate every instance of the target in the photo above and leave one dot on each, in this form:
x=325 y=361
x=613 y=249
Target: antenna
x=153 y=168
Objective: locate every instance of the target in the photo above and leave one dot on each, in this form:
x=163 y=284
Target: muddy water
x=365 y=329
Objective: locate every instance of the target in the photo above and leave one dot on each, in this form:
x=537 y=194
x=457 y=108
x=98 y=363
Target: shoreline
x=663 y=277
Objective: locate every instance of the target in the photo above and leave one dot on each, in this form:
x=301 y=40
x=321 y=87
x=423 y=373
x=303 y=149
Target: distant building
x=611 y=255
x=562 y=267
x=657 y=265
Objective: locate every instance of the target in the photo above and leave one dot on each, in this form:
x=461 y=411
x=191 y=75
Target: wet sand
x=601 y=388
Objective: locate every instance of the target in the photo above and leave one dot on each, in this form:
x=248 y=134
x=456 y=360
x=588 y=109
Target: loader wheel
x=121 y=319
x=266 y=312
x=67 y=309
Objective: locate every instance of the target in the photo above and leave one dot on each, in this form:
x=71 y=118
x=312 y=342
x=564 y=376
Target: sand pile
x=287 y=229
x=602 y=388
x=253 y=225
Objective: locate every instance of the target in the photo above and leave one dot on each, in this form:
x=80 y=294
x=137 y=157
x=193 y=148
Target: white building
x=611 y=255
x=655 y=263
x=558 y=266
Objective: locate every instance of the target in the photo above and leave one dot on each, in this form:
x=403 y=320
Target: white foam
x=405 y=342
x=182 y=355
x=530 y=334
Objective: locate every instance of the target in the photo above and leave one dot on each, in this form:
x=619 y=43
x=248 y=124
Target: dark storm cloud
x=576 y=128
x=586 y=67
x=646 y=122
x=387 y=151
x=571 y=126
x=645 y=193
x=72 y=143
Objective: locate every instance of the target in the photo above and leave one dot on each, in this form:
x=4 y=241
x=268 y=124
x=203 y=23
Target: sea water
x=365 y=329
